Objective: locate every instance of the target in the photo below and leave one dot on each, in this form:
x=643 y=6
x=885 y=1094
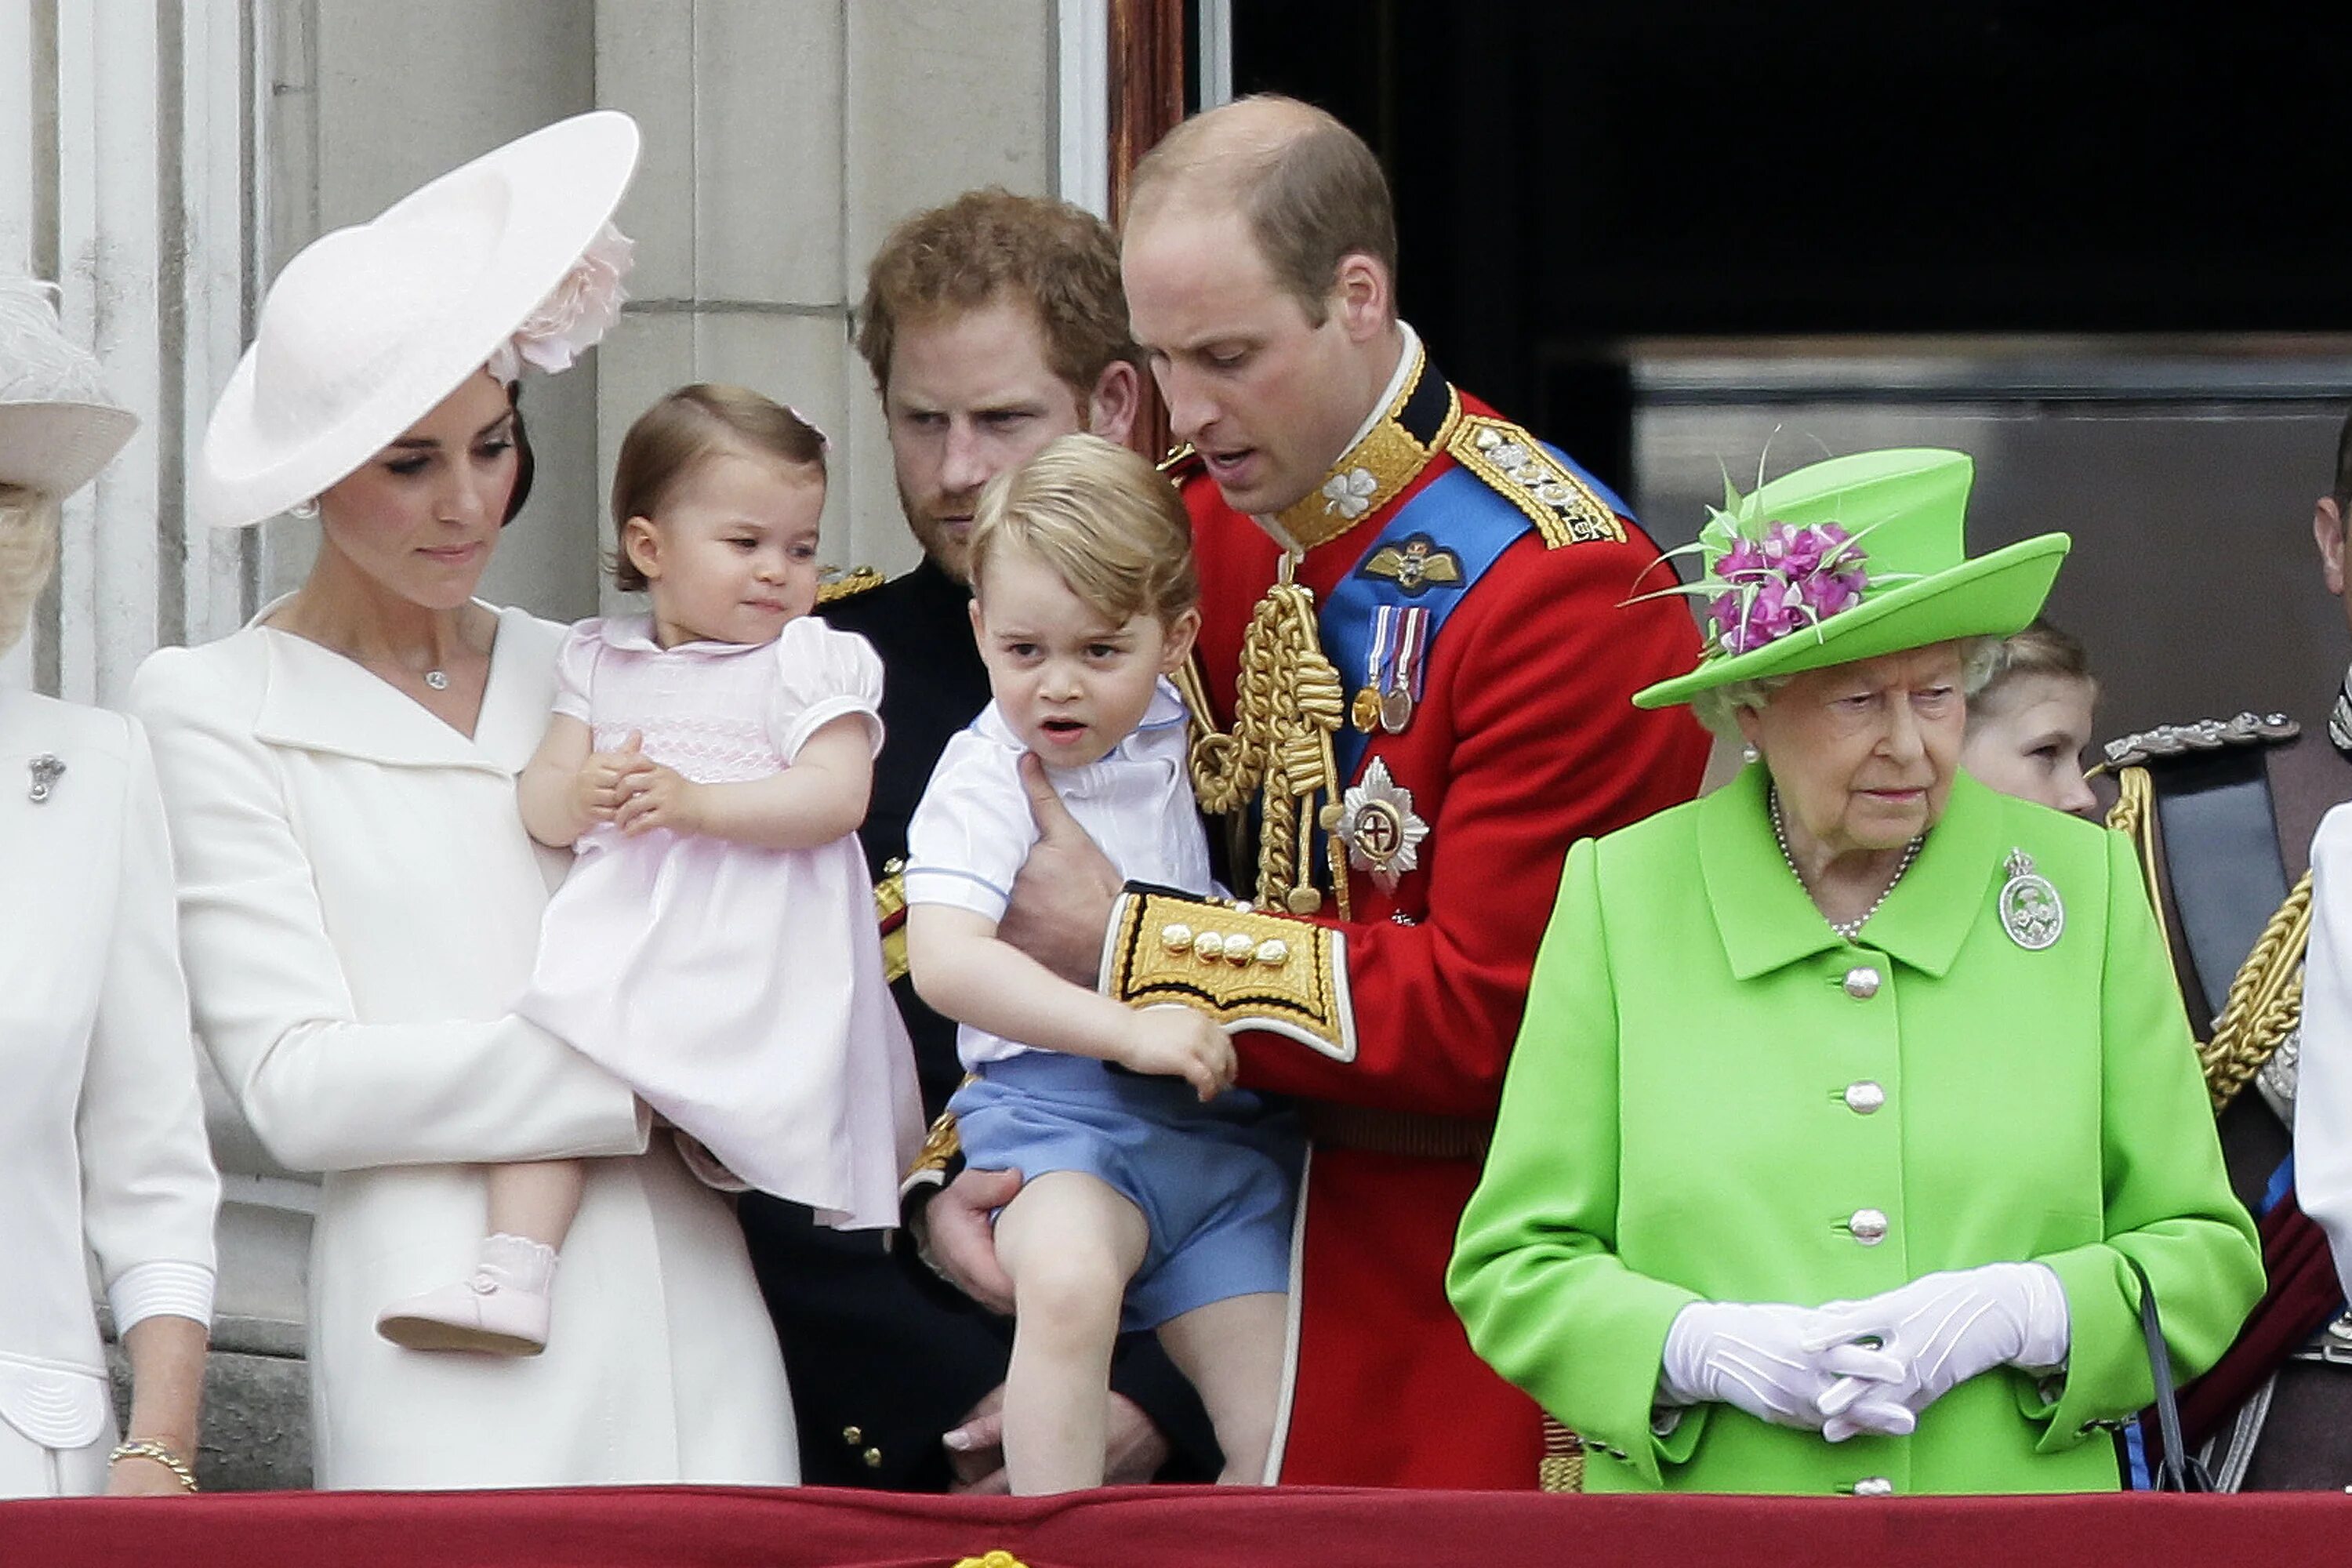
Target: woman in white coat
x=360 y=903
x=101 y=1131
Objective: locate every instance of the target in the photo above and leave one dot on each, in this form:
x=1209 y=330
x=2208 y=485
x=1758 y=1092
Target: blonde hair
x=1102 y=519
x=687 y=427
x=28 y=549
x=2041 y=649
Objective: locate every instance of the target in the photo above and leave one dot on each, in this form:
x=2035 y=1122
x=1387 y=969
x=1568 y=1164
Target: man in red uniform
x=1417 y=664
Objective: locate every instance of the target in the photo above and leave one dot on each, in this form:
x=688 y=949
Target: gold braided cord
x=1561 y=1468
x=1288 y=702
x=2265 y=1001
x=2134 y=816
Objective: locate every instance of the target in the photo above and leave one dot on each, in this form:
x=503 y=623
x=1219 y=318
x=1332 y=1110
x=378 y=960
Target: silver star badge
x=1377 y=824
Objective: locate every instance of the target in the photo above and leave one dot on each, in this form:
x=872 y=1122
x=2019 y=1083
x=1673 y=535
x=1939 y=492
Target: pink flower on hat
x=575 y=315
x=1790 y=578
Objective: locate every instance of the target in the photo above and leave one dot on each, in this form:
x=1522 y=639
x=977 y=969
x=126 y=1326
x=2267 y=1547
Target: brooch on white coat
x=44 y=770
x=2030 y=911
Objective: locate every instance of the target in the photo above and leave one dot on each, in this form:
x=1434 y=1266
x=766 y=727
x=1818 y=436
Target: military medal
x=1394 y=667
x=1377 y=825
x=2030 y=911
x=1366 y=711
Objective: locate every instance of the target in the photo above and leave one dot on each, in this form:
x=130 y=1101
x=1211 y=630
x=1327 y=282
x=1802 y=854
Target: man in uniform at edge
x=992 y=325
x=1475 y=716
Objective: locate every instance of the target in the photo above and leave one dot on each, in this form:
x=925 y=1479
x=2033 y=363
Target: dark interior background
x=1570 y=175
x=1588 y=191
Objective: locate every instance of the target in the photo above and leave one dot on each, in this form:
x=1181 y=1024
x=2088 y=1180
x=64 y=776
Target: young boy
x=1150 y=1179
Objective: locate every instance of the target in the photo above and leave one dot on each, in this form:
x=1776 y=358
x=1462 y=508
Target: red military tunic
x=1525 y=739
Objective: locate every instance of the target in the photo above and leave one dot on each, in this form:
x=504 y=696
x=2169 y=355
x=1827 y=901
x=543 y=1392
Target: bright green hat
x=1850 y=558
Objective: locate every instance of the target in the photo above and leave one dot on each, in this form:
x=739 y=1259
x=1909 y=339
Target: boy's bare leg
x=1233 y=1351
x=1071 y=1244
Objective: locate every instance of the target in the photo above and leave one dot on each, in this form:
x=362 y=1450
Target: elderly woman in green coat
x=1848 y=1094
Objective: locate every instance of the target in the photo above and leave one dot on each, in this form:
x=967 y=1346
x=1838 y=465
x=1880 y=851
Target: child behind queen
x=1149 y=1179
x=714 y=944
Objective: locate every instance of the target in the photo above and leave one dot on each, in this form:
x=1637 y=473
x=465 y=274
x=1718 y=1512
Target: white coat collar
x=316 y=699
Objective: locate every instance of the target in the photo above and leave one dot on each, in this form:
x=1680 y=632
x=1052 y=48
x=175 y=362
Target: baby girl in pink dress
x=714 y=944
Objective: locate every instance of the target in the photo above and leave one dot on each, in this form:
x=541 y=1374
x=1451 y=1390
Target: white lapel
x=315 y=699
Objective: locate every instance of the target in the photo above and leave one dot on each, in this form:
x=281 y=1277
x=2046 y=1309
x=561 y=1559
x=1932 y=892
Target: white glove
x=1763 y=1357
x=1940 y=1330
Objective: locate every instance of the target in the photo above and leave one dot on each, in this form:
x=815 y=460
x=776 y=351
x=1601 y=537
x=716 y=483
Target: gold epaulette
x=890 y=914
x=838 y=584
x=1556 y=498
x=1182 y=462
x=1245 y=969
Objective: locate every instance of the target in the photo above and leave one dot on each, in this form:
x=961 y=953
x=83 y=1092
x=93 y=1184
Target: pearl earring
x=1749 y=753
x=304 y=509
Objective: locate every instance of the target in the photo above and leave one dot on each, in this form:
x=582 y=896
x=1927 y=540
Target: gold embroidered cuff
x=943 y=1147
x=1245 y=970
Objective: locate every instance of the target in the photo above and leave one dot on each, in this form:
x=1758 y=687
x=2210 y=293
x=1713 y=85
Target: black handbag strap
x=2177 y=1469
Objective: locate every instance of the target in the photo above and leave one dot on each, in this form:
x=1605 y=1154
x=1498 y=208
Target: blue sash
x=1457 y=518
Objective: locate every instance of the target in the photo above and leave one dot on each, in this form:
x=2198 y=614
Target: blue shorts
x=1217 y=1183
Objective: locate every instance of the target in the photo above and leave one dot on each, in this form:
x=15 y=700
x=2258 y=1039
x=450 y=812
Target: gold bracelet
x=147 y=1449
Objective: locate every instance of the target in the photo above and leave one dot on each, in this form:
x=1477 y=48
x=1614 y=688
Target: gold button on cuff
x=1176 y=938
x=1209 y=943
x=1273 y=953
x=1238 y=948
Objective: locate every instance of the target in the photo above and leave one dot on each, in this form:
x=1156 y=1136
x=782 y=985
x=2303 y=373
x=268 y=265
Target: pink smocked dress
x=738 y=990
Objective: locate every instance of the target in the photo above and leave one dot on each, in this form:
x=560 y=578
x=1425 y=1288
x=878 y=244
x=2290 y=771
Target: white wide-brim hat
x=370 y=327
x=58 y=425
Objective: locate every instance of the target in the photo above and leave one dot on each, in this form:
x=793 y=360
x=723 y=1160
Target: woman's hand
x=1177 y=1042
x=606 y=780
x=1940 y=1330
x=660 y=797
x=1763 y=1358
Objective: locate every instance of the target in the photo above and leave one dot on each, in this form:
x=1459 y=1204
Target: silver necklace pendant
x=439 y=680
x=2030 y=910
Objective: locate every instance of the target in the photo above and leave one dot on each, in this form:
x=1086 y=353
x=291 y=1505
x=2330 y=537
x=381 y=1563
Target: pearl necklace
x=1847 y=929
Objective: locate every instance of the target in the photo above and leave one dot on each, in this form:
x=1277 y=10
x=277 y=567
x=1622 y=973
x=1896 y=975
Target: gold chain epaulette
x=1288 y=702
x=2248 y=729
x=837 y=585
x=1564 y=509
x=2265 y=1001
